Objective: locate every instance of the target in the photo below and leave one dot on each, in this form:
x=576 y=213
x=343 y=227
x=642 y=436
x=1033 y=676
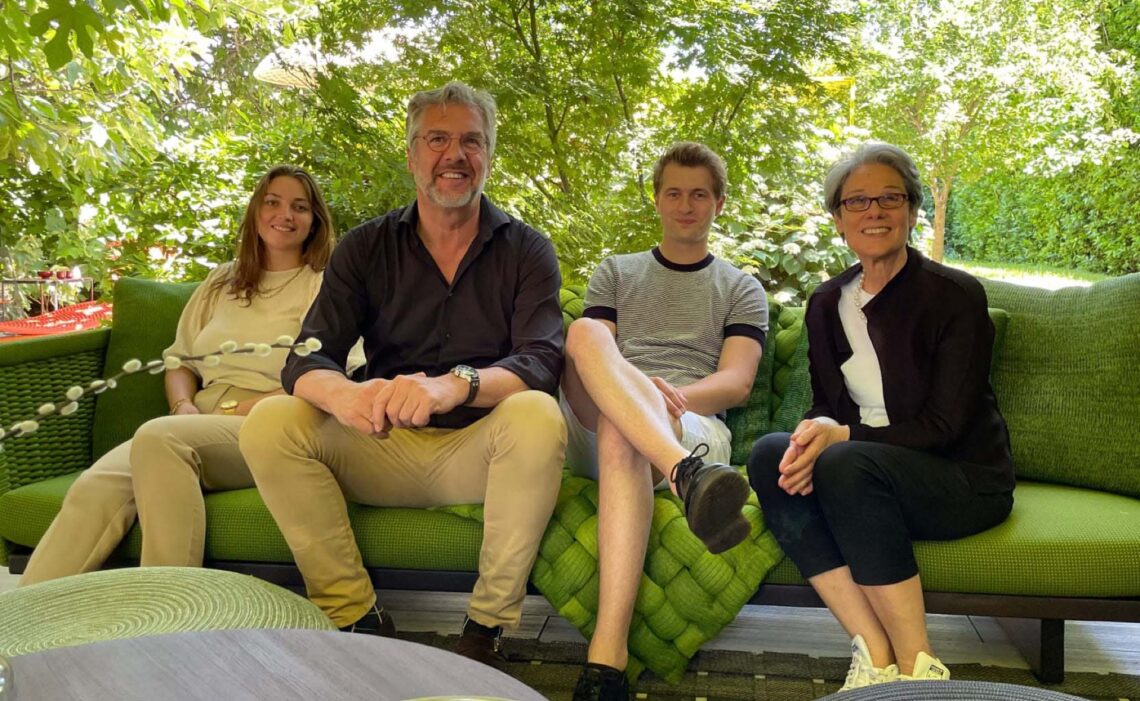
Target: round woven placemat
x=130 y=603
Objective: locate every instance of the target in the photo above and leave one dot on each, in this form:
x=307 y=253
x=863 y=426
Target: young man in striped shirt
x=670 y=339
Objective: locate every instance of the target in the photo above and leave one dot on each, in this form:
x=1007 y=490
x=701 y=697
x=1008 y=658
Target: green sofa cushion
x=145 y=319
x=754 y=418
x=1059 y=541
x=239 y=527
x=687 y=595
x=1067 y=382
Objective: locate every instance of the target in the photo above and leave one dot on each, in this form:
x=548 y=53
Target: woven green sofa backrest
x=36 y=371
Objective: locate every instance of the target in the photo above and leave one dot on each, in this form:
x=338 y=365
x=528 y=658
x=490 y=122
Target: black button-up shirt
x=501 y=309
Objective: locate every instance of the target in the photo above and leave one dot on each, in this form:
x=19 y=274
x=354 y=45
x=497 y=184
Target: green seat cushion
x=145 y=319
x=1059 y=541
x=239 y=527
x=131 y=603
x=1067 y=382
x=687 y=595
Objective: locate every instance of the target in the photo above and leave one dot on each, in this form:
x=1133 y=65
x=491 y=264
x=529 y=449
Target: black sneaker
x=482 y=644
x=375 y=622
x=713 y=495
x=599 y=682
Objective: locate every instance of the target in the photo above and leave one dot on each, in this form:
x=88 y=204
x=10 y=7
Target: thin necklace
x=274 y=291
x=858 y=300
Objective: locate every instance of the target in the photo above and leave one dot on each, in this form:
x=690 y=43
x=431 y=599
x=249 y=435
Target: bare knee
x=585 y=334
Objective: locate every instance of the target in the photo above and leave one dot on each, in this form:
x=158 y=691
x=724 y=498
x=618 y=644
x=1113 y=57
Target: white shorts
x=582 y=443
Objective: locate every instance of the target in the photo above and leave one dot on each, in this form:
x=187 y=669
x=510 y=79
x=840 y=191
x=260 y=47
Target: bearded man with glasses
x=457 y=303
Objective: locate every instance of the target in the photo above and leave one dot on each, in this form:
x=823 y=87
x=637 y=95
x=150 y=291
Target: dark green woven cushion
x=1059 y=541
x=145 y=319
x=1067 y=382
x=36 y=371
x=791 y=383
x=753 y=420
x=687 y=595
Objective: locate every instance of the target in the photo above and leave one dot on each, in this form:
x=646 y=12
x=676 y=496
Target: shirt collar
x=491 y=218
x=683 y=267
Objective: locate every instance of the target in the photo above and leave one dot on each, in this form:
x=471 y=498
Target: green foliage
x=1083 y=218
x=131 y=131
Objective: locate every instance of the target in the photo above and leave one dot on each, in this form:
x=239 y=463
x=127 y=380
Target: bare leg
x=596 y=371
x=850 y=605
x=625 y=509
x=901 y=610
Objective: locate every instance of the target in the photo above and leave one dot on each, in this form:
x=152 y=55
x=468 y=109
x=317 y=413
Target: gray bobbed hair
x=867 y=154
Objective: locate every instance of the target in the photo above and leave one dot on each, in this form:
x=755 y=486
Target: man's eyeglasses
x=439 y=141
x=891 y=200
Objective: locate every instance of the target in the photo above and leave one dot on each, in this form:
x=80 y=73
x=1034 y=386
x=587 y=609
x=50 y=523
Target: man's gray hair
x=867 y=154
x=454 y=93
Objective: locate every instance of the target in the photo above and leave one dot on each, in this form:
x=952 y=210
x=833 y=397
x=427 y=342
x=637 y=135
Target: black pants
x=869 y=501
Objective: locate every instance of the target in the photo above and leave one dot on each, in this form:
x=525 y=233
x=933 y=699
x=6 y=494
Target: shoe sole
x=715 y=517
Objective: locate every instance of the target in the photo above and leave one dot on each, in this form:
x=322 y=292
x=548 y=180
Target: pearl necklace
x=857 y=299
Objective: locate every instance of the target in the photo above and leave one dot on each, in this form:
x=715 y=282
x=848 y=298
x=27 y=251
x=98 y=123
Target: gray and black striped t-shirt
x=672 y=319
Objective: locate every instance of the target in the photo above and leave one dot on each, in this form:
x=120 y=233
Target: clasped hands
x=377 y=406
x=808 y=440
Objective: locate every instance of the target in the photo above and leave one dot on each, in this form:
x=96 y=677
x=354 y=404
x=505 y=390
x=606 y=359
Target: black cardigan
x=934 y=338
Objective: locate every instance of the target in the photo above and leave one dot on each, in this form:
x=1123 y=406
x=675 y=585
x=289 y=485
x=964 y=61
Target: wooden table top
x=256 y=664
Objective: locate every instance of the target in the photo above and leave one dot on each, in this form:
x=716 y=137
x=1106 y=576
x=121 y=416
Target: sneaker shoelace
x=683 y=471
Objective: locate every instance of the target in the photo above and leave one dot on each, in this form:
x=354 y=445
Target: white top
x=861 y=372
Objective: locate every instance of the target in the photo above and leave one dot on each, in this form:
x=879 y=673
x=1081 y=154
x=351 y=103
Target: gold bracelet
x=177 y=404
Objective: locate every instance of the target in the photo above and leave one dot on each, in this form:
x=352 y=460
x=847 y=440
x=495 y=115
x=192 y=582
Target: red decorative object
x=44 y=274
x=63 y=274
x=76 y=317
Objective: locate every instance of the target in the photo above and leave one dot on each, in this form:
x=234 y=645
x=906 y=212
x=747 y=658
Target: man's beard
x=456 y=201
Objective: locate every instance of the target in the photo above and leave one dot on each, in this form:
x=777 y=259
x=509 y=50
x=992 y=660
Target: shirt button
x=447 y=336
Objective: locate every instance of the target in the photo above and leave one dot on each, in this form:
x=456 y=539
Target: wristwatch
x=466 y=372
x=228 y=407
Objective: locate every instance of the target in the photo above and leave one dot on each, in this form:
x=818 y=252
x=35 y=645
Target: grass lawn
x=1026 y=274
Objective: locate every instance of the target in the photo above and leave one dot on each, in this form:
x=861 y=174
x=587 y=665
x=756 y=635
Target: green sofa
x=1064 y=372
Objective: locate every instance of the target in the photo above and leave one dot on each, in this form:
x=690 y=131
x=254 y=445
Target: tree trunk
x=940 y=188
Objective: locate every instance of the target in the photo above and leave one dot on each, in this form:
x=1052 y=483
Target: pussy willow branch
x=70 y=403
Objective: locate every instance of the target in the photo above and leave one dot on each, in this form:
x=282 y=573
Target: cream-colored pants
x=307 y=464
x=160 y=475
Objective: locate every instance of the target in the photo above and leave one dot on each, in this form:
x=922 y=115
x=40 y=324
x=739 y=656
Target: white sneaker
x=862 y=672
x=926 y=667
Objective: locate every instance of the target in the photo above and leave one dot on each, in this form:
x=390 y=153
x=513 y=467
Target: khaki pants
x=160 y=475
x=307 y=464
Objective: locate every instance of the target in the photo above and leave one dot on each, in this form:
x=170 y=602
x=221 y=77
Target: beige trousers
x=158 y=475
x=307 y=465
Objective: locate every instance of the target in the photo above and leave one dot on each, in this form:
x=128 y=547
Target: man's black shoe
x=713 y=495
x=481 y=644
x=599 y=682
x=375 y=622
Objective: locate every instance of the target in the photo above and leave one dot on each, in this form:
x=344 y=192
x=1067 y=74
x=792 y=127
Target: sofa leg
x=1041 y=642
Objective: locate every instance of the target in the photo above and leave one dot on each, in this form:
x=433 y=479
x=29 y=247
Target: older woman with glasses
x=903 y=440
